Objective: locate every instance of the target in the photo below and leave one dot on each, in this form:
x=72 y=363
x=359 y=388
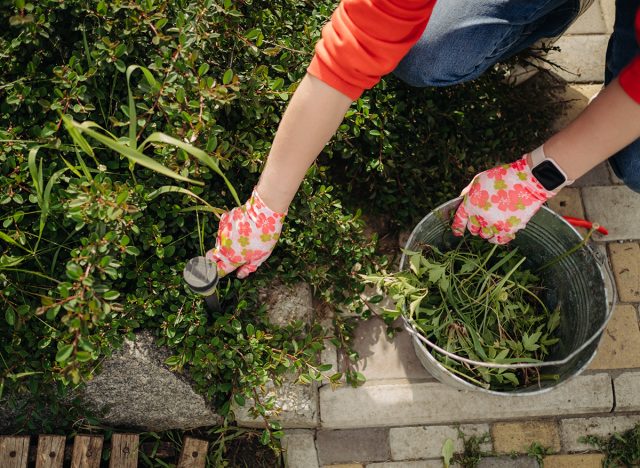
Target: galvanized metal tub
x=581 y=284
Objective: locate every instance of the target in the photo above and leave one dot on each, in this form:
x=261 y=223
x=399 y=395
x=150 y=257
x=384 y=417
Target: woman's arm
x=311 y=119
x=608 y=124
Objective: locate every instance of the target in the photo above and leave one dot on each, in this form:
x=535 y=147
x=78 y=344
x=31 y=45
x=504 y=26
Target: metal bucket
x=581 y=284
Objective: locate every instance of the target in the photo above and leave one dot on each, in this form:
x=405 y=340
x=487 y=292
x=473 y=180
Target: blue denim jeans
x=464 y=38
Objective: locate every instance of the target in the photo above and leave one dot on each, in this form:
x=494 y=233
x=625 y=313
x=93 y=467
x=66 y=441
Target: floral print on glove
x=246 y=237
x=499 y=202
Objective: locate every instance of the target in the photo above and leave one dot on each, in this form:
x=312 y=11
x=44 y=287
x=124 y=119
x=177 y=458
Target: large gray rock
x=136 y=390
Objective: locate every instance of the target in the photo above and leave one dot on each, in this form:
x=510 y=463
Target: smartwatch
x=547 y=171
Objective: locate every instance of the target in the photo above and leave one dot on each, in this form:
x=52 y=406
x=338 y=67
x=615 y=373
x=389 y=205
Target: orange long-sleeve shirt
x=366 y=39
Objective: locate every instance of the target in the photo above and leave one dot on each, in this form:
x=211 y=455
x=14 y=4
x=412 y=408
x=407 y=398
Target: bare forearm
x=311 y=119
x=607 y=125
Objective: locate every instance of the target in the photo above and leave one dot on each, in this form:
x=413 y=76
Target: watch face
x=548 y=175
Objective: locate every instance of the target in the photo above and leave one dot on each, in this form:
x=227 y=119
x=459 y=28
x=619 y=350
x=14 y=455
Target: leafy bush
x=93 y=248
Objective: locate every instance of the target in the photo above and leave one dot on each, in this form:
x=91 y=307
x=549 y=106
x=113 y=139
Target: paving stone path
x=401 y=417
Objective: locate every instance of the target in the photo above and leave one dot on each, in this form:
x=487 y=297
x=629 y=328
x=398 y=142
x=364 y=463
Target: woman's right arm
x=311 y=119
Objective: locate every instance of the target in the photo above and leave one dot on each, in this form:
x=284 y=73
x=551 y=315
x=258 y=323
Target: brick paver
x=592 y=460
x=625 y=259
x=620 y=345
x=616 y=208
x=518 y=436
x=349 y=446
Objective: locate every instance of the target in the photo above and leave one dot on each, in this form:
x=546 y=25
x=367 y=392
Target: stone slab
x=300 y=449
x=626 y=388
x=616 y=208
x=620 y=344
x=572 y=429
x=590 y=460
x=625 y=260
x=426 y=441
x=507 y=462
x=518 y=436
x=609 y=13
x=377 y=404
x=590 y=22
x=581 y=58
x=352 y=445
x=384 y=358
x=409 y=464
x=575 y=97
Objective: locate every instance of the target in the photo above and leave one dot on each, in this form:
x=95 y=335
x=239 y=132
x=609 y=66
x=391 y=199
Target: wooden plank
x=194 y=453
x=14 y=451
x=50 y=451
x=124 y=451
x=87 y=452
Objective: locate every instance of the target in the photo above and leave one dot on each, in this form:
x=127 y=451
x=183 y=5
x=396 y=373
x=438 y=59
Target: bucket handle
x=611 y=304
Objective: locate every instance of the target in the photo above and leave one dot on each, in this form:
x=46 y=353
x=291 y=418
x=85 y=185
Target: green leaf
x=111 y=295
x=203 y=69
x=74 y=271
x=529 y=341
x=172 y=361
x=447 y=452
x=239 y=399
x=132 y=105
x=10 y=316
x=63 y=353
x=265 y=438
x=227 y=77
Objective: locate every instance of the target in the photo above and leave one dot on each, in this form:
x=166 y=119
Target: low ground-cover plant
x=89 y=250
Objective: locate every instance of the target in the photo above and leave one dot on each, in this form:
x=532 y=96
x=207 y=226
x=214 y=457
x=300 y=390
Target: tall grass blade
x=133 y=116
x=199 y=154
x=131 y=153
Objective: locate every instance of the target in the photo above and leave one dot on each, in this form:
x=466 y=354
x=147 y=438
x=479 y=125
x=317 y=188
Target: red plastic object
x=577 y=222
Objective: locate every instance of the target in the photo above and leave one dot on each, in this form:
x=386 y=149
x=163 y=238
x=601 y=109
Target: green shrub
x=89 y=253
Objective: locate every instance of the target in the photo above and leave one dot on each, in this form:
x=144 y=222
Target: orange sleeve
x=365 y=40
x=630 y=76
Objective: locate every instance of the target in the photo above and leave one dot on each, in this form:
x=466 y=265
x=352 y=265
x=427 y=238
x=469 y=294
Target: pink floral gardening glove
x=246 y=237
x=499 y=202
